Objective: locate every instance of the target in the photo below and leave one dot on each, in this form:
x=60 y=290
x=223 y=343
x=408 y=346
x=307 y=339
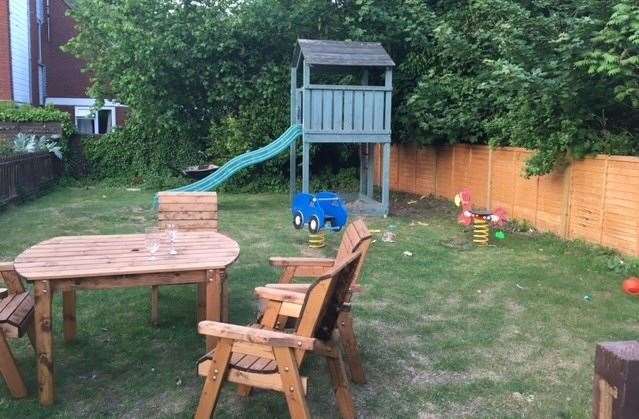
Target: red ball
x=631 y=285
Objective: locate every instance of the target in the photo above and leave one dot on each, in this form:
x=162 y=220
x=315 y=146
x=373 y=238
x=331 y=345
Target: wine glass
x=171 y=234
x=152 y=239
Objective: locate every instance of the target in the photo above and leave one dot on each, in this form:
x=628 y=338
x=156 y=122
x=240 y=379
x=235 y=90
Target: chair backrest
x=11 y=278
x=188 y=210
x=324 y=299
x=356 y=237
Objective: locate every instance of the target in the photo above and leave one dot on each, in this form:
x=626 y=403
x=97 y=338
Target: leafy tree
x=210 y=77
x=617 y=53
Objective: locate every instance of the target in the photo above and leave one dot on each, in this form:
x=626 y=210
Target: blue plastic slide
x=237 y=163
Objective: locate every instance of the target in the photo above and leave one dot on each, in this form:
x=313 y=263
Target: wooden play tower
x=332 y=108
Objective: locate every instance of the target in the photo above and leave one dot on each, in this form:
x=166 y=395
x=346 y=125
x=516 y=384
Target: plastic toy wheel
x=298 y=220
x=314 y=225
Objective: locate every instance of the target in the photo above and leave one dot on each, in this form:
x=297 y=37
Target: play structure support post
x=363 y=168
x=385 y=177
x=371 y=169
x=306 y=82
x=305 y=166
x=292 y=151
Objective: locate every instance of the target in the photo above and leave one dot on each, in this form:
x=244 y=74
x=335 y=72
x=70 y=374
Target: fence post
x=435 y=158
x=602 y=207
x=615 y=390
x=452 y=174
x=564 y=226
x=489 y=178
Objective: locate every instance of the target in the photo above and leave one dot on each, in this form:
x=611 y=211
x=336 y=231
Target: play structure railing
x=347 y=109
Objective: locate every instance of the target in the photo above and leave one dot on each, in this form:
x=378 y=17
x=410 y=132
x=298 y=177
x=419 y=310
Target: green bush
x=10 y=112
x=208 y=80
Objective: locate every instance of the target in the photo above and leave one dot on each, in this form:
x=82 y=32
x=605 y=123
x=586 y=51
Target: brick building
x=34 y=70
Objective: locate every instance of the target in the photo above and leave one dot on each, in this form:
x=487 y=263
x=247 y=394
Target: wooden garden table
x=118 y=261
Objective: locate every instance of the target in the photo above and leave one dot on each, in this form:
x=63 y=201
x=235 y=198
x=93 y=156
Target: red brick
x=64 y=71
x=6 y=91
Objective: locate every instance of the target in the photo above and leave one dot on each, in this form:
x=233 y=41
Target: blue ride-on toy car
x=318 y=210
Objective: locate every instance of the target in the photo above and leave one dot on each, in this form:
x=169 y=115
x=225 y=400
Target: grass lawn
x=450 y=331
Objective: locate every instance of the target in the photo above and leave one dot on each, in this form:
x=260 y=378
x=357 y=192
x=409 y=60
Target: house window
x=89 y=121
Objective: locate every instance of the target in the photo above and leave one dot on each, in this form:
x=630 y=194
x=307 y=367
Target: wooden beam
x=615 y=385
x=44 y=342
x=9 y=370
x=280 y=295
x=254 y=335
x=126 y=281
x=218 y=368
x=292 y=383
x=69 y=315
x=213 y=304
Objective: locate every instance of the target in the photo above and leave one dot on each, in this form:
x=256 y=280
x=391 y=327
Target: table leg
x=68 y=315
x=155 y=305
x=214 y=303
x=44 y=342
x=201 y=301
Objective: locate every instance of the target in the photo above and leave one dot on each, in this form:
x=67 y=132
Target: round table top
x=124 y=254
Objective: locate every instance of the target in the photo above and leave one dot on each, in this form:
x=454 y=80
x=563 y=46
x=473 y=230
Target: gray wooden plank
x=316 y=109
x=327 y=109
x=338 y=110
x=387 y=111
x=358 y=111
x=344 y=53
x=378 y=115
x=348 y=110
x=369 y=110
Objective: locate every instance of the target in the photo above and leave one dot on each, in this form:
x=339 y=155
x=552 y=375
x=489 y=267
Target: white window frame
x=82 y=111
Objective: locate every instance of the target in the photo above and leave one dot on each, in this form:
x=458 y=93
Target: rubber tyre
x=314 y=225
x=298 y=220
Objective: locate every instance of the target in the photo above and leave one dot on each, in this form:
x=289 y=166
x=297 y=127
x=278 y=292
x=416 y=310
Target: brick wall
x=5 y=52
x=64 y=75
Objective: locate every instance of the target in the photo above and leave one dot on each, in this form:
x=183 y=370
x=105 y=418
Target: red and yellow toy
x=481 y=219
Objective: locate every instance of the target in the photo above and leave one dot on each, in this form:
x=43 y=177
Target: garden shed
x=341 y=92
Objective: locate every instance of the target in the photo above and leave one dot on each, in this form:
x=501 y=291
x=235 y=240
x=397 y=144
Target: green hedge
x=10 y=112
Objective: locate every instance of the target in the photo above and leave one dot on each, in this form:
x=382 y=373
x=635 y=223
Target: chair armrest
x=304 y=287
x=253 y=335
x=290 y=287
x=300 y=261
x=6 y=266
x=280 y=295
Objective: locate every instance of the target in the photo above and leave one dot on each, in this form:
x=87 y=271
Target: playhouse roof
x=347 y=53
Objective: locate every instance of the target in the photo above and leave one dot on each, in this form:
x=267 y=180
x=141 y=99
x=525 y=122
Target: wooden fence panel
x=525 y=200
x=476 y=178
x=621 y=206
x=25 y=175
x=443 y=176
x=595 y=199
x=425 y=170
x=394 y=169
x=549 y=202
x=587 y=200
x=504 y=171
x=406 y=171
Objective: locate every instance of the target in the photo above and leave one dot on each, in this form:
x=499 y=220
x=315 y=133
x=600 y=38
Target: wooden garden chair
x=16 y=319
x=259 y=356
x=188 y=211
x=356 y=238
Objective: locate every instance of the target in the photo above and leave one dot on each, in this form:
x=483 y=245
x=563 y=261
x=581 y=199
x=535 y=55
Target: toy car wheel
x=298 y=220
x=314 y=225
